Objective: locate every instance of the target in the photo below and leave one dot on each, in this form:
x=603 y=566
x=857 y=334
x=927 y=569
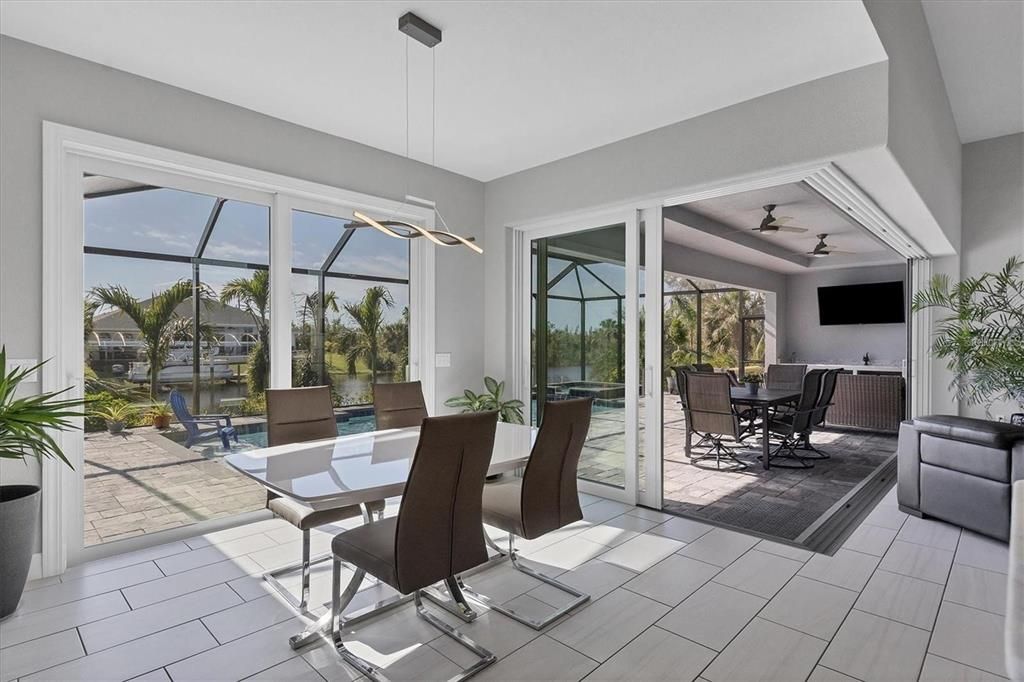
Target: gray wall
x=922 y=135
x=808 y=123
x=993 y=217
x=843 y=344
x=40 y=84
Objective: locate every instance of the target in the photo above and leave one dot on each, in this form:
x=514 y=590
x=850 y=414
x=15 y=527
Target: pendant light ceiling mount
x=426 y=33
x=419 y=29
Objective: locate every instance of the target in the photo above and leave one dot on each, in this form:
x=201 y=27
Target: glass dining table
x=360 y=469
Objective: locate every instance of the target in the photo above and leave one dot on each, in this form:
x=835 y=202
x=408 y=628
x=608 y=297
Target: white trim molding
x=68 y=153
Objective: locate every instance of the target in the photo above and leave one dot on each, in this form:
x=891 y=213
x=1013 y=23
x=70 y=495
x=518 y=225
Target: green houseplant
x=160 y=414
x=115 y=414
x=981 y=332
x=510 y=411
x=26 y=426
x=753 y=382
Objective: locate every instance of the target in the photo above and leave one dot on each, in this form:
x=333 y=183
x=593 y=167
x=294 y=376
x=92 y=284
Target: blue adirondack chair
x=193 y=434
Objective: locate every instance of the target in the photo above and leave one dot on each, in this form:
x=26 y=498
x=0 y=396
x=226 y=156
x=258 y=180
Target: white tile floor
x=673 y=599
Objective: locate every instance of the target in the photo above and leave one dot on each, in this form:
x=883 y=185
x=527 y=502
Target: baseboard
x=35 y=568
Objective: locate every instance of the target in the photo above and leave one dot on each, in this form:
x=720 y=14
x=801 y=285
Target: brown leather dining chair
x=436 y=534
x=543 y=500
x=297 y=415
x=397 y=406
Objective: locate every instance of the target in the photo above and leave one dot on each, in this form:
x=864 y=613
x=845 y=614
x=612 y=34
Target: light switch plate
x=32 y=378
x=443 y=360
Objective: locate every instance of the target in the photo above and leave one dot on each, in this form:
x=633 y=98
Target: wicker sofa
x=869 y=401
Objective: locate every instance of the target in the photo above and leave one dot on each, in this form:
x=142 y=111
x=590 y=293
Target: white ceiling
x=980 y=46
x=518 y=83
x=739 y=213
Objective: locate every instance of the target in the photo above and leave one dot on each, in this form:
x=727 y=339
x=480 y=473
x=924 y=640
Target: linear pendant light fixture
x=428 y=34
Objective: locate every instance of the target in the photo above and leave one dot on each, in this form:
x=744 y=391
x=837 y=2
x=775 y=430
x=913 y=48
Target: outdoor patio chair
x=436 y=535
x=711 y=414
x=543 y=500
x=790 y=426
x=785 y=377
x=400 y=405
x=193 y=434
x=298 y=415
x=828 y=389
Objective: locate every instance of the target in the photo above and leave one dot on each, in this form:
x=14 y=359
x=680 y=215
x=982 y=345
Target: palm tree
x=252 y=294
x=312 y=304
x=368 y=315
x=159 y=324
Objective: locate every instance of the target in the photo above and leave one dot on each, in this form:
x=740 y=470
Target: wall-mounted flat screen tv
x=875 y=303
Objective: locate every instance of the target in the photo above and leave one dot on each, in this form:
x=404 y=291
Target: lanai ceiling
x=725 y=226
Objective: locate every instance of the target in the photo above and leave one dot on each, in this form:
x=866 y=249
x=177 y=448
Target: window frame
x=69 y=152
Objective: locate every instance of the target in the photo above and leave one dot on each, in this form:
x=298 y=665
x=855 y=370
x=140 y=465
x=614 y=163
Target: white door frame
x=68 y=152
x=523 y=296
x=824 y=177
x=650 y=495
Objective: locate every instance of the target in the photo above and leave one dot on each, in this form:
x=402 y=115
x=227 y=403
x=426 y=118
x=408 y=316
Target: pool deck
x=140 y=482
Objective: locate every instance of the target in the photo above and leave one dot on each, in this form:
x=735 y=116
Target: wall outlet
x=443 y=360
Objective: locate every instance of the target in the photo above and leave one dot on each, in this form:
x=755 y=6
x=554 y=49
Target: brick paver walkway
x=141 y=482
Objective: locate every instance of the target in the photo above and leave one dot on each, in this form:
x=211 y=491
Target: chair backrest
x=296 y=415
x=703 y=367
x=785 y=377
x=440 y=528
x=397 y=406
x=806 y=406
x=734 y=380
x=181 y=413
x=709 y=404
x=680 y=374
x=828 y=389
x=549 y=498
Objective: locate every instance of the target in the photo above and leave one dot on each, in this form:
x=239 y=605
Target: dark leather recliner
x=960 y=470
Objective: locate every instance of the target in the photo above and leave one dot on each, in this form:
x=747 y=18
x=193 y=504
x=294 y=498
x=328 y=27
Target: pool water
x=258 y=437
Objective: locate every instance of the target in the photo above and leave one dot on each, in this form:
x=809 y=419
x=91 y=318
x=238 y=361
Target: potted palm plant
x=26 y=425
x=980 y=333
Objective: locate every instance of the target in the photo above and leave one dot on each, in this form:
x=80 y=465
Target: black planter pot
x=19 y=514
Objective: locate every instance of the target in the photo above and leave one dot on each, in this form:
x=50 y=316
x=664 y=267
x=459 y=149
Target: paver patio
x=141 y=482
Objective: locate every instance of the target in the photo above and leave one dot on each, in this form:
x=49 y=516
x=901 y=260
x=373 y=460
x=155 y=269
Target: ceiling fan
x=770 y=224
x=821 y=249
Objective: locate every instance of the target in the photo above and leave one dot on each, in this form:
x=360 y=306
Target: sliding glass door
x=583 y=342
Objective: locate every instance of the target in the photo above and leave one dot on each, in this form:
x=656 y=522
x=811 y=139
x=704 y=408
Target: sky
x=170 y=221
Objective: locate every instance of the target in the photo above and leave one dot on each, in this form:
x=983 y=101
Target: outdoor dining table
x=764 y=400
x=356 y=470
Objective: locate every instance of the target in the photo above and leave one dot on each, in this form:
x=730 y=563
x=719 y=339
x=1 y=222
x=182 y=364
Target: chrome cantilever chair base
x=579 y=598
x=273 y=577
x=341 y=600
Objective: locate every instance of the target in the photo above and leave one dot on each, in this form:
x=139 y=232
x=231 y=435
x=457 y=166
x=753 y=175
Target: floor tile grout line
x=164 y=629
x=966 y=665
x=942 y=599
x=859 y=593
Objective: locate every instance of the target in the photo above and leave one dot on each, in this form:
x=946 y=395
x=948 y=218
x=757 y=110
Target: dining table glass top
x=363 y=467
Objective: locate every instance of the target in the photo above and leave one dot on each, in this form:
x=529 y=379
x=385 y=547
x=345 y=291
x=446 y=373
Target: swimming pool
x=256 y=434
